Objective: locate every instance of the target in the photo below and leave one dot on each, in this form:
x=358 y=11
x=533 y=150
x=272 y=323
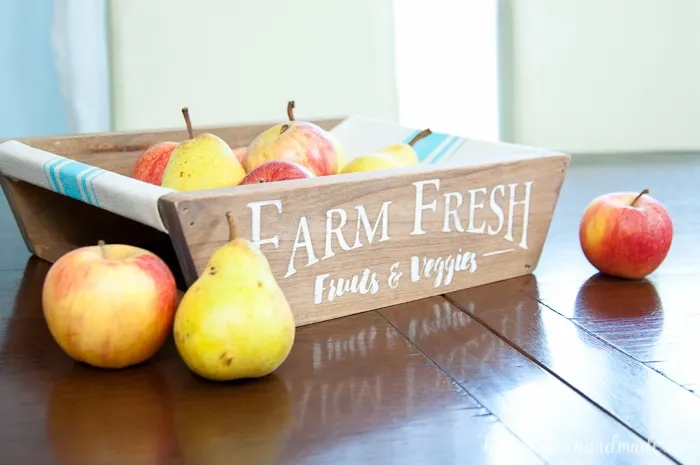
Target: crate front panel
x=357 y=244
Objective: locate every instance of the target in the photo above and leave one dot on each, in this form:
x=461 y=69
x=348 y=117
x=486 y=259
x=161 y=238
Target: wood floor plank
x=353 y=390
x=657 y=408
x=654 y=320
x=556 y=422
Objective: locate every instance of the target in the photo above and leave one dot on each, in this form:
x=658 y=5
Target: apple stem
x=421 y=135
x=290 y=110
x=103 y=249
x=232 y=232
x=645 y=191
x=188 y=122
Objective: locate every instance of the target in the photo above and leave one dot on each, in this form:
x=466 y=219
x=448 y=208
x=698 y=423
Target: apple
x=149 y=167
x=625 y=234
x=240 y=153
x=110 y=305
x=277 y=170
x=301 y=141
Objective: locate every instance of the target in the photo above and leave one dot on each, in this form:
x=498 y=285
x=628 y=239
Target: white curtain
x=81 y=54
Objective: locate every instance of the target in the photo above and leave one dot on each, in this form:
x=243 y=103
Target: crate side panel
x=347 y=246
x=53 y=225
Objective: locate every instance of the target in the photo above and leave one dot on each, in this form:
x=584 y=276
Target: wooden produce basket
x=472 y=213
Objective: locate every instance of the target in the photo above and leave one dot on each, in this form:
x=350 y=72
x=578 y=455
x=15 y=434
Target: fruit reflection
x=95 y=417
x=607 y=297
x=242 y=422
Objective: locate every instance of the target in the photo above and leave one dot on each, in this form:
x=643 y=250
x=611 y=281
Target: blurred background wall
x=579 y=76
x=30 y=100
x=602 y=75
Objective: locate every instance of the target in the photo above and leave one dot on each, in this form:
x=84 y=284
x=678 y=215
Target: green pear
x=202 y=162
x=234 y=322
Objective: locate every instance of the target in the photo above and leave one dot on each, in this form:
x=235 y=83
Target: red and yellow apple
x=277 y=170
x=240 y=153
x=300 y=141
x=109 y=305
x=149 y=167
x=626 y=234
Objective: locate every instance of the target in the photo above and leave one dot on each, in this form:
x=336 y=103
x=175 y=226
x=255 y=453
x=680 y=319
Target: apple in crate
x=109 y=305
x=626 y=234
x=149 y=167
x=240 y=153
x=277 y=170
x=300 y=141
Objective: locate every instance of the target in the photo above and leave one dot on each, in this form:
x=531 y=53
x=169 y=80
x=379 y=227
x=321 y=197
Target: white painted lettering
x=255 y=222
x=394 y=275
x=472 y=210
x=330 y=231
x=452 y=212
x=371 y=231
x=496 y=208
x=302 y=230
x=512 y=203
x=442 y=269
x=364 y=283
x=420 y=206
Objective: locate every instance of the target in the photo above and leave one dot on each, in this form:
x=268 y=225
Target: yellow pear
x=234 y=322
x=202 y=162
x=371 y=162
x=404 y=152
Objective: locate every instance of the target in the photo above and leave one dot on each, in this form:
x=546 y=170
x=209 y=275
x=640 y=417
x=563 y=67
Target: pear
x=371 y=162
x=234 y=322
x=202 y=162
x=404 y=152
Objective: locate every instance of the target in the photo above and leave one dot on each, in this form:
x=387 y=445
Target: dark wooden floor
x=561 y=367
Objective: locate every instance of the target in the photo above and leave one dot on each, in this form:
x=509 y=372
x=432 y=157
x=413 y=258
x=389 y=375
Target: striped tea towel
x=360 y=135
x=110 y=191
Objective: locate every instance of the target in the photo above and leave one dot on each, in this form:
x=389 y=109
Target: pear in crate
x=371 y=162
x=404 y=153
x=202 y=162
x=234 y=322
x=389 y=157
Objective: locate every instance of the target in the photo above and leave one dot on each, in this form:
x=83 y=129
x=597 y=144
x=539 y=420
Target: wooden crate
x=338 y=245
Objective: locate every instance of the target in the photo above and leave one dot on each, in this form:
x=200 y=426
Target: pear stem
x=645 y=191
x=188 y=122
x=421 y=135
x=103 y=249
x=290 y=110
x=232 y=230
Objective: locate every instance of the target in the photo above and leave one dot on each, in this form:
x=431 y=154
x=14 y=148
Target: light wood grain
x=203 y=227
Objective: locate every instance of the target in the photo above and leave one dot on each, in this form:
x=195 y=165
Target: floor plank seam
x=460 y=386
x=557 y=377
x=612 y=346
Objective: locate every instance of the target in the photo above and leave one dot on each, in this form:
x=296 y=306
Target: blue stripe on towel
x=446 y=150
x=426 y=146
x=89 y=180
x=73 y=179
x=50 y=168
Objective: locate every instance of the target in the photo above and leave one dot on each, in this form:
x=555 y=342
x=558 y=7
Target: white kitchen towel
x=110 y=191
